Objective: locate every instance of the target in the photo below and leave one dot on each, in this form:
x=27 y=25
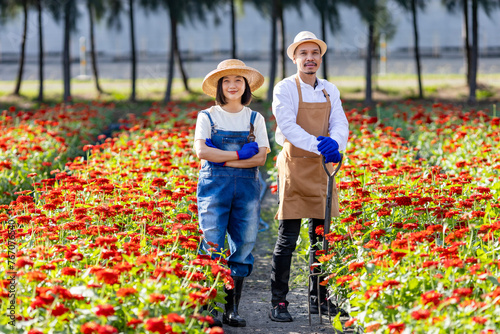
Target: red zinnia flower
x=89 y=328
x=156 y=325
x=420 y=314
x=174 y=317
x=396 y=328
x=105 y=310
x=67 y=271
x=124 y=292
x=156 y=298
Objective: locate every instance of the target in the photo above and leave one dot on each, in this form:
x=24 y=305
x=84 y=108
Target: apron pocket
x=304 y=177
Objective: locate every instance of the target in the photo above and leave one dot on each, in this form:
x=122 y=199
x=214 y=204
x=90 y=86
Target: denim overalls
x=228 y=200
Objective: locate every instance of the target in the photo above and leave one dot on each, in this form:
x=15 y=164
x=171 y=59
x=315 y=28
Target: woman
x=232 y=140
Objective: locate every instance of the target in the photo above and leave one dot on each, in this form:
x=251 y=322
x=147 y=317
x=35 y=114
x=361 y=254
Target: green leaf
x=370 y=268
x=413 y=284
x=336 y=323
x=494 y=280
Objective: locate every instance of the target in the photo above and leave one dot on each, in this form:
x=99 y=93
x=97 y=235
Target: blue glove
x=333 y=157
x=209 y=143
x=248 y=150
x=327 y=145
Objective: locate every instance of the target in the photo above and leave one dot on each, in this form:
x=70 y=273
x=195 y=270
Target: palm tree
x=413 y=6
x=40 y=50
x=95 y=9
x=115 y=8
x=329 y=14
x=24 y=4
x=69 y=12
x=471 y=51
x=368 y=12
x=179 y=11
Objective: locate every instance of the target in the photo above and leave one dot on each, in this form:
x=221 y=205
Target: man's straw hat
x=304 y=37
x=231 y=67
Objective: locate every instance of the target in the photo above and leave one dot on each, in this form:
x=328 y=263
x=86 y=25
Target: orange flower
x=396 y=328
x=420 y=314
x=156 y=298
x=175 y=318
x=124 y=292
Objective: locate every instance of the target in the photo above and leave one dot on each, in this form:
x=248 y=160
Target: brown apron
x=302 y=180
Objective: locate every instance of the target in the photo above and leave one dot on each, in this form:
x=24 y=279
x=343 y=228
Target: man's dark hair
x=246 y=98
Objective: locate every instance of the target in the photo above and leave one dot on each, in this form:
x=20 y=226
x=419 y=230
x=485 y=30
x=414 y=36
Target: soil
x=255 y=302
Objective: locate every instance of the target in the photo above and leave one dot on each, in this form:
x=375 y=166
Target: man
x=311 y=125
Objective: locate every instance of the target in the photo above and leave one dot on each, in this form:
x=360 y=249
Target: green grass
x=386 y=87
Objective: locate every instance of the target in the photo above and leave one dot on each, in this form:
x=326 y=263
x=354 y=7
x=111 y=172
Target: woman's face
x=233 y=87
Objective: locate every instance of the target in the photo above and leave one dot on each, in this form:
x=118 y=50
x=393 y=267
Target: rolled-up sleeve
x=285 y=111
x=339 y=126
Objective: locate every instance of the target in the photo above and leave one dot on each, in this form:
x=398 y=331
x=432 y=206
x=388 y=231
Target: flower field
x=108 y=242
x=416 y=249
x=40 y=141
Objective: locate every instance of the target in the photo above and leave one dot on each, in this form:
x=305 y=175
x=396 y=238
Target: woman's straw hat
x=304 y=37
x=231 y=67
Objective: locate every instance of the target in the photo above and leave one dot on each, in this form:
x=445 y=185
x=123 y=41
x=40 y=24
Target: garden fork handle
x=328 y=208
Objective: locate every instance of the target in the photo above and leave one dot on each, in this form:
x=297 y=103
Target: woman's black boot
x=231 y=316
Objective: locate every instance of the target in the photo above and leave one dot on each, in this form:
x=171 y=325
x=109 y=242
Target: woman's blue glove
x=327 y=145
x=209 y=143
x=333 y=157
x=248 y=150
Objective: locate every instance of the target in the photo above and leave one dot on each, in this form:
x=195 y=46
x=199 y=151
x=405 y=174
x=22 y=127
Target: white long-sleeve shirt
x=285 y=107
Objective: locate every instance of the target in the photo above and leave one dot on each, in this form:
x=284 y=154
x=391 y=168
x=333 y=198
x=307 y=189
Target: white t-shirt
x=227 y=121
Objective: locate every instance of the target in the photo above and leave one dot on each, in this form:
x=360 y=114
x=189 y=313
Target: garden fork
x=328 y=218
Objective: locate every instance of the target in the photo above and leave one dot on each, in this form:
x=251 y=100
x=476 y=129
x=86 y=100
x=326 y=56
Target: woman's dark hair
x=246 y=98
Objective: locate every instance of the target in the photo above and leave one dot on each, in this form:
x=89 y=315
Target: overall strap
x=251 y=136
x=212 y=124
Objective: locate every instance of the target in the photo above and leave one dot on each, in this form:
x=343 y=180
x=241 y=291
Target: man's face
x=307 y=56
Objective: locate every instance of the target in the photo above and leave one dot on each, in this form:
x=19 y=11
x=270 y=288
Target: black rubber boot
x=231 y=316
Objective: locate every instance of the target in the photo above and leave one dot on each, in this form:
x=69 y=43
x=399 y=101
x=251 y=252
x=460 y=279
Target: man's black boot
x=231 y=316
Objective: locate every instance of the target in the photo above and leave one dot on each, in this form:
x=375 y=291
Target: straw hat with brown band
x=231 y=67
x=304 y=37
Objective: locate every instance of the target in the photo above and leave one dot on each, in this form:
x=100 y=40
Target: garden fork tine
x=328 y=218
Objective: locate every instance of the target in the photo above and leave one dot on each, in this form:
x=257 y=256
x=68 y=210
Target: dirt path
x=256 y=298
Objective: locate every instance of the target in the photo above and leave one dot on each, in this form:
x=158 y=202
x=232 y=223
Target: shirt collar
x=319 y=85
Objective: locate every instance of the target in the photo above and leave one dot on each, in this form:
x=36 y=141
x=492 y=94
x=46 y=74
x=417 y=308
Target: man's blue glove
x=327 y=145
x=333 y=157
x=248 y=150
x=209 y=143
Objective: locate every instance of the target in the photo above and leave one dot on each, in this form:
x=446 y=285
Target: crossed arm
x=229 y=157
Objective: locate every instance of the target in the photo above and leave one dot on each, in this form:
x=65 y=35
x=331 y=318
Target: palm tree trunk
x=66 y=56
x=272 y=74
x=283 y=55
x=417 y=49
x=323 y=35
x=181 y=66
x=92 y=46
x=132 y=49
x=233 y=31
x=368 y=74
x=40 y=51
x=466 y=39
x=173 y=42
x=23 y=49
x=474 y=55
